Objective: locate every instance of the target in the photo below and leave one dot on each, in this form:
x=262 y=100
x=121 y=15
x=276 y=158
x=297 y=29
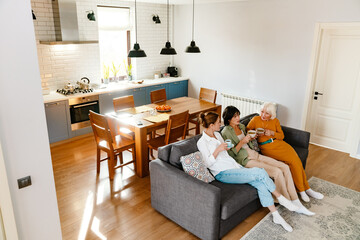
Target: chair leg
x=111 y=161
x=121 y=158
x=151 y=153
x=98 y=160
x=134 y=158
x=197 y=128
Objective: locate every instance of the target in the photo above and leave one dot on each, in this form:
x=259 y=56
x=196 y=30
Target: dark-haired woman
x=243 y=152
x=227 y=170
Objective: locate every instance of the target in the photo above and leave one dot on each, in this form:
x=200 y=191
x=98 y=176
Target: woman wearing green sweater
x=243 y=152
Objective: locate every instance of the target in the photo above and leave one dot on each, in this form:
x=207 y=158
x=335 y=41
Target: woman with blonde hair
x=272 y=145
x=243 y=152
x=227 y=170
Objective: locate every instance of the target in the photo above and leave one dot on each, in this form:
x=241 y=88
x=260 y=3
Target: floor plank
x=91 y=207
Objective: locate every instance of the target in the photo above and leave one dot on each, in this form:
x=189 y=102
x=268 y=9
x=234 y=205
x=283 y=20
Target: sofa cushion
x=234 y=197
x=194 y=165
x=182 y=148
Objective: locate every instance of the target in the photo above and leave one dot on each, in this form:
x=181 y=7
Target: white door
x=335 y=102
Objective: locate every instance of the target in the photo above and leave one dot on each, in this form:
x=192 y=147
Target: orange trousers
x=282 y=151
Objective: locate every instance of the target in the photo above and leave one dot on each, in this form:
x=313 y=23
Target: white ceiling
x=181 y=2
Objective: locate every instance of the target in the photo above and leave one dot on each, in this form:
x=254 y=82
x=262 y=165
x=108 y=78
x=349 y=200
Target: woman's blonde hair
x=269 y=108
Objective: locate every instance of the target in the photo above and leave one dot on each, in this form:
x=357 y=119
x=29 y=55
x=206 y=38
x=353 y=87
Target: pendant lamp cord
x=193 y=21
x=168 y=20
x=135 y=23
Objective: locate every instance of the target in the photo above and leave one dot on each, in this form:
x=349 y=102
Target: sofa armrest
x=296 y=137
x=191 y=203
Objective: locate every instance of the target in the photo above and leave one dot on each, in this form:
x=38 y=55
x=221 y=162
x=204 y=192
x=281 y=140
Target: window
x=114 y=38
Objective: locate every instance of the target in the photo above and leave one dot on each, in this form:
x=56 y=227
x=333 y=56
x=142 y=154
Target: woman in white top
x=227 y=170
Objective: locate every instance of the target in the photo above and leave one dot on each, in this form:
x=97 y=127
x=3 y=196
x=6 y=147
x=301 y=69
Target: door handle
x=318 y=93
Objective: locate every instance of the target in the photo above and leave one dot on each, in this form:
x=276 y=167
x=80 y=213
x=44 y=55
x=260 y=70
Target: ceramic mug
x=252 y=133
x=228 y=142
x=260 y=131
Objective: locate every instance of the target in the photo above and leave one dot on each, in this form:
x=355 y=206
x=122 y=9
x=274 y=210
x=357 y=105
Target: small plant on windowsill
x=115 y=71
x=106 y=73
x=128 y=69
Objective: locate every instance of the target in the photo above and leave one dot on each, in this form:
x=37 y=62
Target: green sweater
x=240 y=156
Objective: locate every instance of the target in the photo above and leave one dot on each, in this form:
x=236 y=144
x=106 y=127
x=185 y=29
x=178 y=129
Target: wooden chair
x=208 y=95
x=158 y=95
x=121 y=103
x=176 y=128
x=110 y=140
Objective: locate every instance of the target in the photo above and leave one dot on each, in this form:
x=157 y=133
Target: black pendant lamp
x=136 y=51
x=168 y=50
x=193 y=48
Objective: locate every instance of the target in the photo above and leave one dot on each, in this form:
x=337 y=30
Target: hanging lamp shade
x=193 y=48
x=168 y=50
x=136 y=51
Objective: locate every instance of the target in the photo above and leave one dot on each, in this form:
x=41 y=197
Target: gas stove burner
x=76 y=90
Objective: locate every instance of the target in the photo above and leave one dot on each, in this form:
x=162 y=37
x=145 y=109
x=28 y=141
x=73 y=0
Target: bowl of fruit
x=163 y=108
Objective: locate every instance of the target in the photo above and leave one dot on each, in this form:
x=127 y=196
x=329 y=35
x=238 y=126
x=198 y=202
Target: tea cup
x=260 y=131
x=228 y=142
x=252 y=133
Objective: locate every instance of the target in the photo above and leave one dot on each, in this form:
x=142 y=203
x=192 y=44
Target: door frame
x=315 y=54
x=7 y=210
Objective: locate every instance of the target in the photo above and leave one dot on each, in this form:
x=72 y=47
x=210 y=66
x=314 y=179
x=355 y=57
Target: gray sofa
x=209 y=211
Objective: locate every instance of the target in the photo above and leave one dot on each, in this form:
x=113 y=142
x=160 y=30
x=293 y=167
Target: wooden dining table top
x=178 y=105
x=131 y=117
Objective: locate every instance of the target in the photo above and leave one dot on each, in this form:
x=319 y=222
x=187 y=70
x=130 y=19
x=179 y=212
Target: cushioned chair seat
x=234 y=197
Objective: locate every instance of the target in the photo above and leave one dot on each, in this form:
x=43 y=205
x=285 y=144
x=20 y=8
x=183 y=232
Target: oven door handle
x=84 y=105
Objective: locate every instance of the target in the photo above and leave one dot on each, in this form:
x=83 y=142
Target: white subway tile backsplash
x=62 y=63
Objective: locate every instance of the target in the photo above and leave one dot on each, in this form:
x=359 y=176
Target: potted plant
x=128 y=69
x=115 y=70
x=106 y=73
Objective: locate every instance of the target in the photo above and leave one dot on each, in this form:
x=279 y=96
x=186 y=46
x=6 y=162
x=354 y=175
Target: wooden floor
x=91 y=207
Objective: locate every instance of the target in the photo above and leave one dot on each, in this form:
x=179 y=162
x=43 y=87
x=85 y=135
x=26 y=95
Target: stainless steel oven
x=79 y=110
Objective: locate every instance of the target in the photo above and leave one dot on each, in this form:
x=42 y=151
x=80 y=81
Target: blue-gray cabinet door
x=106 y=100
x=57 y=120
x=139 y=96
x=177 y=89
x=153 y=88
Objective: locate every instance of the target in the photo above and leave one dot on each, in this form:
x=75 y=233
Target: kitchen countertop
x=112 y=87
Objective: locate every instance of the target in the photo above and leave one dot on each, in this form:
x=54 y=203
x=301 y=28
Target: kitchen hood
x=66 y=24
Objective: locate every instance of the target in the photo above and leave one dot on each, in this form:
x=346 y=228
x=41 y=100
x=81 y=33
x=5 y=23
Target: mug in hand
x=252 y=133
x=228 y=142
x=260 y=131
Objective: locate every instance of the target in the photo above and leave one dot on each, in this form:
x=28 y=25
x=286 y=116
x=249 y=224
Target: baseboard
x=70 y=139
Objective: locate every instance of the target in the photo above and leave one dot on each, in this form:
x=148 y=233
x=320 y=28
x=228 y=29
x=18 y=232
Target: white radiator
x=245 y=105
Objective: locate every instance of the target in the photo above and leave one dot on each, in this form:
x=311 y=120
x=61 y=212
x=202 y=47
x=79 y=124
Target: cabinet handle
x=51 y=104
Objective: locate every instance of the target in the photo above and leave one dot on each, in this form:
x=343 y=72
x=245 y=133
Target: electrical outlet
x=24 y=182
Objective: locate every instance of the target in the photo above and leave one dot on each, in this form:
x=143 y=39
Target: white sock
x=287 y=203
x=304 y=196
x=302 y=209
x=314 y=194
x=279 y=220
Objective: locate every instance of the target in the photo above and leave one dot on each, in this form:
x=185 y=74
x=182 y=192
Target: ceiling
x=182 y=2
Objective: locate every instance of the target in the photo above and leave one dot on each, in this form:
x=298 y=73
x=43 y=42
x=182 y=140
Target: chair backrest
x=100 y=126
x=176 y=127
x=208 y=95
x=158 y=95
x=121 y=103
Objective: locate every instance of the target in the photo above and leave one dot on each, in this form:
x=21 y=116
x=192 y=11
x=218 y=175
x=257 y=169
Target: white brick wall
x=62 y=63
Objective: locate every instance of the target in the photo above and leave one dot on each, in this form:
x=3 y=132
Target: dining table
x=145 y=119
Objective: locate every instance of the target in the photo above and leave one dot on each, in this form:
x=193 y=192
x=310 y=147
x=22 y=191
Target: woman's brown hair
x=208 y=118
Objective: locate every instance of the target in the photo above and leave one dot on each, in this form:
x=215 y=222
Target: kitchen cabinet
x=177 y=89
x=106 y=100
x=139 y=96
x=153 y=88
x=57 y=119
